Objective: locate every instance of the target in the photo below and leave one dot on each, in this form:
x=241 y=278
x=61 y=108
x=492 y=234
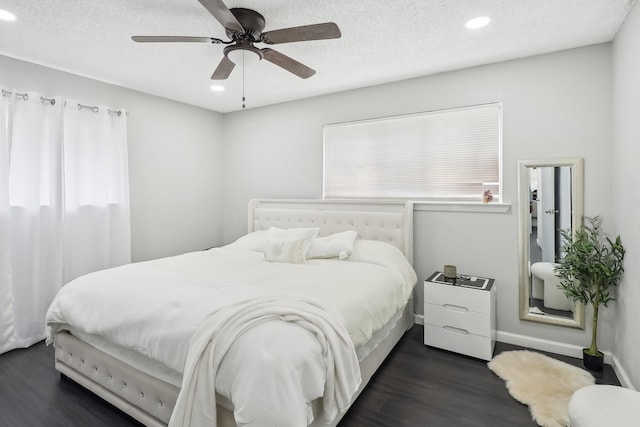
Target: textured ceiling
x=382 y=41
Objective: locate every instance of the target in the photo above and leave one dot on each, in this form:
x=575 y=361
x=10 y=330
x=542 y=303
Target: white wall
x=174 y=159
x=626 y=196
x=555 y=105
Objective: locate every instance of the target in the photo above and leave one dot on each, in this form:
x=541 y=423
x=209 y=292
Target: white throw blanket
x=196 y=402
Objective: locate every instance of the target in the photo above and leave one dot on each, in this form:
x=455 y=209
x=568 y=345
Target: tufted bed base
x=151 y=400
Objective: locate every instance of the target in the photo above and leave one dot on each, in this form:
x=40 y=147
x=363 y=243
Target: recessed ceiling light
x=216 y=88
x=5 y=15
x=477 y=22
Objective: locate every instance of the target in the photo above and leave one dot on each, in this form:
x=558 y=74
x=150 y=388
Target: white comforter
x=156 y=307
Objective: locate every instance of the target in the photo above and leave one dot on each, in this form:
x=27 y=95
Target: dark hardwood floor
x=416 y=386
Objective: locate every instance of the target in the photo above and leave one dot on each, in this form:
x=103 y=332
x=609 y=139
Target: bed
x=147 y=389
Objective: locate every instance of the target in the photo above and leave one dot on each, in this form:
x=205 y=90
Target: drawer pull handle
x=456 y=330
x=455 y=307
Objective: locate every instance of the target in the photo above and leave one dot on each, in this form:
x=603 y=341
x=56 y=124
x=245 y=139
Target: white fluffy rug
x=541 y=382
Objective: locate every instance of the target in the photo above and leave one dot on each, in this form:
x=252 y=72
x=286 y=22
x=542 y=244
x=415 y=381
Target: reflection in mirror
x=550 y=200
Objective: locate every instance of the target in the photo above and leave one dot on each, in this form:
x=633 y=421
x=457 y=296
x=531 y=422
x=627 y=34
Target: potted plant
x=589 y=266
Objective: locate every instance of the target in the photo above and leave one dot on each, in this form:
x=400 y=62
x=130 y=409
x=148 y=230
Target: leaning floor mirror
x=550 y=199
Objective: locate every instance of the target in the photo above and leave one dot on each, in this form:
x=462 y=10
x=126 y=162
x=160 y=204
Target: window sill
x=461 y=207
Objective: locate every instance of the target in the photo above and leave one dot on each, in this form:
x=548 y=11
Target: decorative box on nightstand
x=460 y=316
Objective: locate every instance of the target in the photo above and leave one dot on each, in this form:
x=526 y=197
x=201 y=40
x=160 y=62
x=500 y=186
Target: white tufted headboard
x=390 y=221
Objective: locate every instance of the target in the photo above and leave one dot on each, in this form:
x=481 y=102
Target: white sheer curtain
x=64 y=204
x=97 y=224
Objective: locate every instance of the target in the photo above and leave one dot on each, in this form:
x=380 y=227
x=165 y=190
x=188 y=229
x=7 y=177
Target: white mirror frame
x=577 y=203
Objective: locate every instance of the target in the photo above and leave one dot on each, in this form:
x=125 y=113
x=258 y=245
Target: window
x=445 y=155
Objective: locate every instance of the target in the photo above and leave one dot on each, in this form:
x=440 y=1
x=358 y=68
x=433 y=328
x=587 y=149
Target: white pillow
x=255 y=241
x=308 y=234
x=276 y=235
x=285 y=250
x=338 y=245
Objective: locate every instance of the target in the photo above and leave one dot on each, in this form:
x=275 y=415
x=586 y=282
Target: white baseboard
x=564 y=349
x=418 y=319
x=530 y=342
x=544 y=345
x=552 y=347
x=621 y=374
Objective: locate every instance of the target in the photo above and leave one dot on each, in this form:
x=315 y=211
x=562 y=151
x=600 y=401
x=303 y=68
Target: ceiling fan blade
x=178 y=39
x=225 y=67
x=288 y=64
x=222 y=13
x=328 y=30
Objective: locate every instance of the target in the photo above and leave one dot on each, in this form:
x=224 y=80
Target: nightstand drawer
x=457 y=317
x=459 y=342
x=470 y=299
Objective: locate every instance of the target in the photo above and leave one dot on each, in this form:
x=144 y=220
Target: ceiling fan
x=244 y=28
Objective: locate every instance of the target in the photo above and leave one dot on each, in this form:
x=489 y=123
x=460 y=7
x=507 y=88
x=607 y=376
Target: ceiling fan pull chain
x=243 y=53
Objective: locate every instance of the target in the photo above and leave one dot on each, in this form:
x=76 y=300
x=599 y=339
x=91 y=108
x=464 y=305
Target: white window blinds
x=446 y=155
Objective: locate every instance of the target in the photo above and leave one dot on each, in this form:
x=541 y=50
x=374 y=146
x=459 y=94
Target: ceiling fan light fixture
x=243 y=55
x=477 y=22
x=5 y=15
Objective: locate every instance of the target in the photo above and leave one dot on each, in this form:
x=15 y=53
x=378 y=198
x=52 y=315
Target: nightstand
x=460 y=317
